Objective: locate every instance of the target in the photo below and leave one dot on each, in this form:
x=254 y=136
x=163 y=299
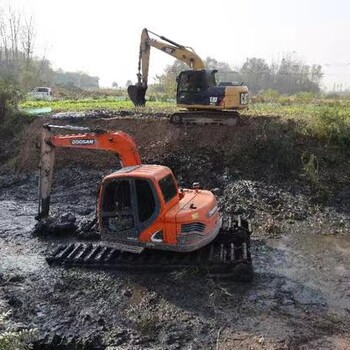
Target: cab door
x=129 y=206
x=119 y=215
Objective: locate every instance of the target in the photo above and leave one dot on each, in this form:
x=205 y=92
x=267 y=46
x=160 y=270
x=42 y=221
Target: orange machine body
x=175 y=220
x=118 y=142
x=139 y=206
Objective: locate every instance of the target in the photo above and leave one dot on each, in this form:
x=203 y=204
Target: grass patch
x=327 y=120
x=15 y=340
x=90 y=104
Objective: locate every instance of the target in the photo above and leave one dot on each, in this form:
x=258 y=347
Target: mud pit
x=301 y=254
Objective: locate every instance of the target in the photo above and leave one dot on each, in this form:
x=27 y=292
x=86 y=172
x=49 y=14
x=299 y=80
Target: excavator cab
x=141 y=206
x=128 y=206
x=198 y=88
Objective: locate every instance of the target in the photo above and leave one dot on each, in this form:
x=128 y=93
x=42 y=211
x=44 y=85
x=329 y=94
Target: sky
x=102 y=37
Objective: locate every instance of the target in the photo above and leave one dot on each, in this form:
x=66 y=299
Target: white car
x=41 y=93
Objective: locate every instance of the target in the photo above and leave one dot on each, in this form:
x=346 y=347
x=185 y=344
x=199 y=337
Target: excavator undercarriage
x=209 y=117
x=228 y=256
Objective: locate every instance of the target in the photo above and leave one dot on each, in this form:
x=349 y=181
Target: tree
x=79 y=80
x=256 y=74
x=167 y=80
x=290 y=76
x=294 y=76
x=211 y=63
x=18 y=63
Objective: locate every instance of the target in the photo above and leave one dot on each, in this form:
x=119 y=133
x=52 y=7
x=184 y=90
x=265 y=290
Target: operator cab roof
x=153 y=171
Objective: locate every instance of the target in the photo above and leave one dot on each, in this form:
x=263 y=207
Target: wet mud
x=299 y=299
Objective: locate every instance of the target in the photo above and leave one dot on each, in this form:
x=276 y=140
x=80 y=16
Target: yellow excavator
x=200 y=99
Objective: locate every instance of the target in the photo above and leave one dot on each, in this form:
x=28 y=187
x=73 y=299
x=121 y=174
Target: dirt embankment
x=300 y=295
x=262 y=148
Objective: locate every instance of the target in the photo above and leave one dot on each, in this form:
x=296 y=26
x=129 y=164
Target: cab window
x=145 y=200
x=117 y=213
x=168 y=187
x=117 y=196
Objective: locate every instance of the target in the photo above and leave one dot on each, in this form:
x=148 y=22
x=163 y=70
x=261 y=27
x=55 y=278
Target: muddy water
x=322 y=263
x=300 y=295
x=17 y=221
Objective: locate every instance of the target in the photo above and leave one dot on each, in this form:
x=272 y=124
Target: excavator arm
x=185 y=54
x=118 y=142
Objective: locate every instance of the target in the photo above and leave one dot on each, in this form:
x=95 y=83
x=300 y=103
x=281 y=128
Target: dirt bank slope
x=262 y=148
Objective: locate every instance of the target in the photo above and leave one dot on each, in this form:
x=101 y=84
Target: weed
x=10 y=340
x=333 y=125
x=310 y=167
x=147 y=315
x=145 y=320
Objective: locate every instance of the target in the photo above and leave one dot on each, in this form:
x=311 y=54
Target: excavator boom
x=118 y=142
x=180 y=52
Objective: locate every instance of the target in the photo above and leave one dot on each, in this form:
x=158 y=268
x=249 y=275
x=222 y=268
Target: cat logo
x=168 y=50
x=213 y=100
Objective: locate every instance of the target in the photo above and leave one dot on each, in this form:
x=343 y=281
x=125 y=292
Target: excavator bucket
x=137 y=95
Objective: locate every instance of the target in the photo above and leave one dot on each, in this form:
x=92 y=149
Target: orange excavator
x=145 y=221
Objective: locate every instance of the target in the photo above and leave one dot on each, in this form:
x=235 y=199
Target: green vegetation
x=90 y=104
x=10 y=340
x=11 y=121
x=9 y=98
x=325 y=119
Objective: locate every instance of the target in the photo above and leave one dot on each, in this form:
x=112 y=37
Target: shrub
x=334 y=126
x=12 y=121
x=305 y=97
x=9 y=98
x=10 y=340
x=270 y=95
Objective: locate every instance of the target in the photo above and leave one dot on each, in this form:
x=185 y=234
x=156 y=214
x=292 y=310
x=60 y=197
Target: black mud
x=300 y=294
x=299 y=299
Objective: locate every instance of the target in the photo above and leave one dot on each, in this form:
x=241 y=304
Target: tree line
x=21 y=67
x=289 y=76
